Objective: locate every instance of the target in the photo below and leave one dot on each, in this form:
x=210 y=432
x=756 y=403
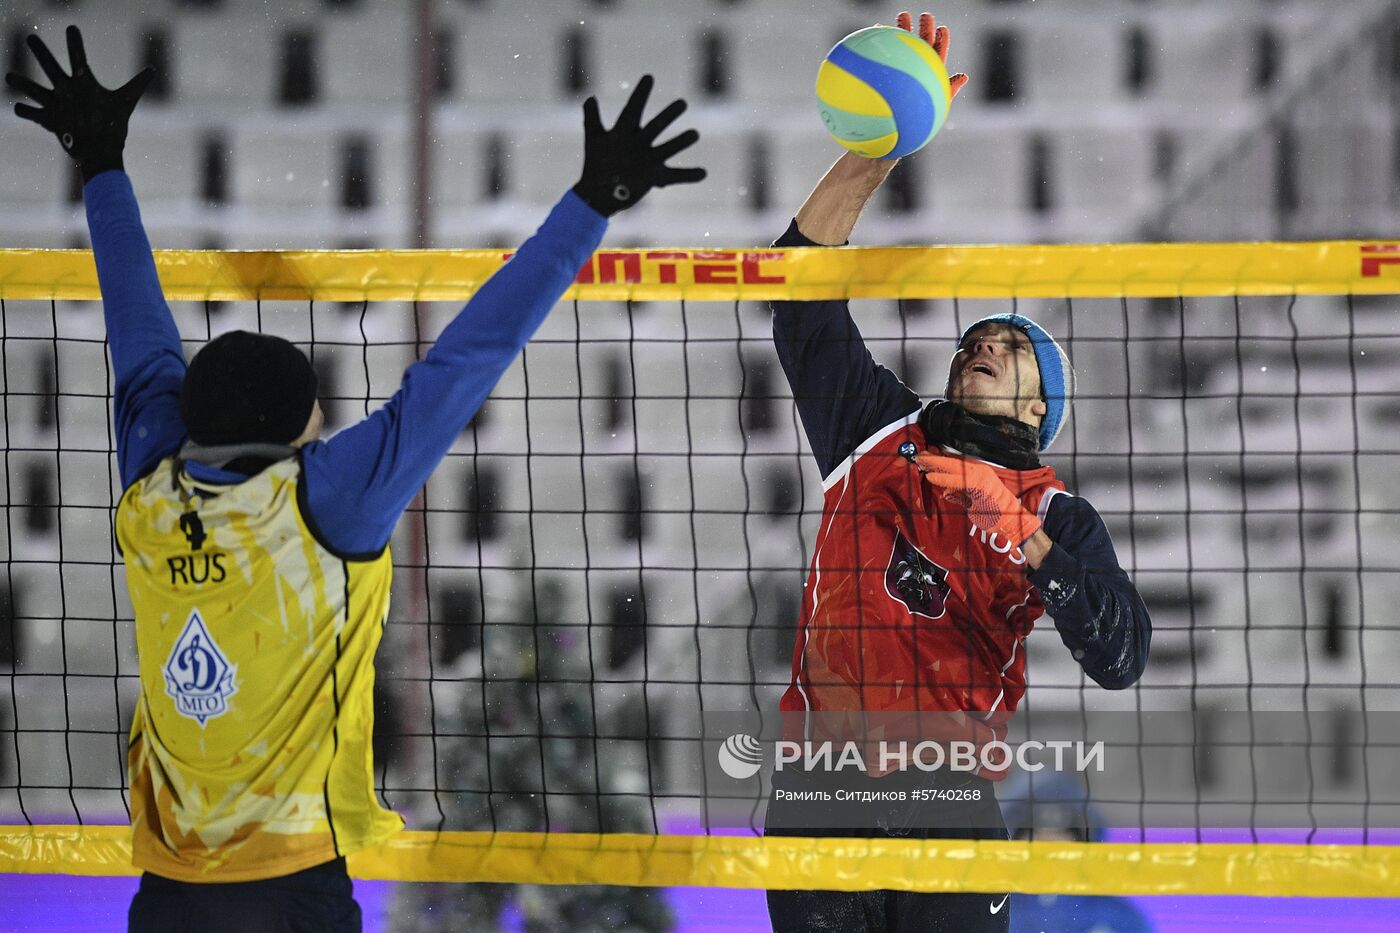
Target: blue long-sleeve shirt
x=358 y=482
x=844 y=397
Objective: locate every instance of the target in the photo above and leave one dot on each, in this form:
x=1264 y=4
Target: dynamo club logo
x=915 y=580
x=197 y=675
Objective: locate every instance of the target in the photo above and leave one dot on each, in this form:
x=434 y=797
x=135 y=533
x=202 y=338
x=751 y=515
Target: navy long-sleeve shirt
x=358 y=482
x=844 y=397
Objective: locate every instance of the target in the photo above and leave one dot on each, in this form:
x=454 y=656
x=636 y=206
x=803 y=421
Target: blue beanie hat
x=1056 y=376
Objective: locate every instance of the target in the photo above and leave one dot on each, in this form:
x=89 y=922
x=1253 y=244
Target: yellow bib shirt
x=250 y=752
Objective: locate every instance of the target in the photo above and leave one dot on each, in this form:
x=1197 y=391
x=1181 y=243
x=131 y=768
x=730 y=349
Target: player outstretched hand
x=936 y=37
x=88 y=119
x=622 y=164
x=977 y=488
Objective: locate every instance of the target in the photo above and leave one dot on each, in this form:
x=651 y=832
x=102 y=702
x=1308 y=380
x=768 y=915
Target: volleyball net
x=611 y=559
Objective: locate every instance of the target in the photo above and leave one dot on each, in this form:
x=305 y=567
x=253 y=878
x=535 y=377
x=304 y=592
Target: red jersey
x=909 y=605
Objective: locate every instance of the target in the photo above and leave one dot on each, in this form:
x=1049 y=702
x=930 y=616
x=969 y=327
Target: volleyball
x=883 y=92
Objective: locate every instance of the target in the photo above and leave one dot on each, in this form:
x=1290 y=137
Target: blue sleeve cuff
x=103 y=187
x=575 y=211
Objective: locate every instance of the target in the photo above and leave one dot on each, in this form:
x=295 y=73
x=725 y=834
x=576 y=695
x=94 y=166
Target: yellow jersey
x=250 y=753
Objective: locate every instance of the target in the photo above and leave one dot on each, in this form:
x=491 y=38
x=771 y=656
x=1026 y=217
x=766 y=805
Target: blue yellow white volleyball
x=883 y=92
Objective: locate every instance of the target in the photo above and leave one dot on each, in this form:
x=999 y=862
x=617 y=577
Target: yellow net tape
x=1140 y=270
x=942 y=866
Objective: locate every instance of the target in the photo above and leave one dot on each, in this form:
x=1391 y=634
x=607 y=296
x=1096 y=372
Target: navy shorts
x=317 y=900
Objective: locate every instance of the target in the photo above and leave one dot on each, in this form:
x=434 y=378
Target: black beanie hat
x=244 y=388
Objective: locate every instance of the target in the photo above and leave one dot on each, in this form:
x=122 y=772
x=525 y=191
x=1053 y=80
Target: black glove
x=620 y=165
x=89 y=120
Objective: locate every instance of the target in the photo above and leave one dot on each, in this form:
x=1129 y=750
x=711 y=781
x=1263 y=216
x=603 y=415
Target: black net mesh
x=619 y=541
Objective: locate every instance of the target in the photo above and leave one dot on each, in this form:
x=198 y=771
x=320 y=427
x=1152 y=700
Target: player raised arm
x=842 y=395
x=90 y=122
x=380 y=463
